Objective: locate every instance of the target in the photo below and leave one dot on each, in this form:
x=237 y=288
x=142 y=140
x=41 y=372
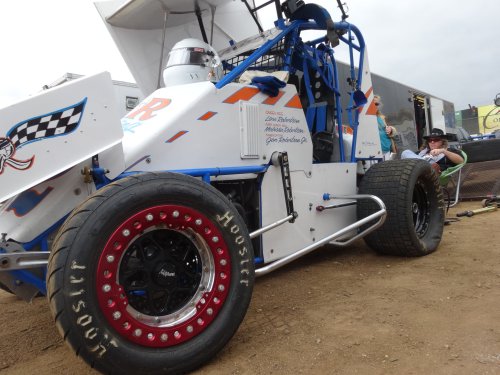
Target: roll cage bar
x=317 y=55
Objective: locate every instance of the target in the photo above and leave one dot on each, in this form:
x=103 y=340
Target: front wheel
x=415 y=209
x=153 y=274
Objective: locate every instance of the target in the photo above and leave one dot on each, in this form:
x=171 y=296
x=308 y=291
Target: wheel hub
x=421 y=209
x=165 y=274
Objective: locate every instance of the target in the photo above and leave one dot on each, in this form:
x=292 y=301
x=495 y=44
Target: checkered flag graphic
x=53 y=124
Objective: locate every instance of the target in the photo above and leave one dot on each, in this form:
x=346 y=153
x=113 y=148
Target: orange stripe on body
x=372 y=109
x=367 y=95
x=178 y=135
x=272 y=100
x=369 y=92
x=245 y=94
x=294 y=102
x=207 y=116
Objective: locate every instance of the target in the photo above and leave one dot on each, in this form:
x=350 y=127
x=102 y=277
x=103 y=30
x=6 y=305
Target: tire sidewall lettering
x=225 y=220
x=83 y=316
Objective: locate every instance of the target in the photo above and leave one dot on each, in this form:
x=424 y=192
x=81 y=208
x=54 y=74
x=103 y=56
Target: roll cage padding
x=321 y=16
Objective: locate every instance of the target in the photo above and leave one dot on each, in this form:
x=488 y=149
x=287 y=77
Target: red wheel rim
x=206 y=302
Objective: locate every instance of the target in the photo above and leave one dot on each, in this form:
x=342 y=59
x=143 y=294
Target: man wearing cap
x=435 y=151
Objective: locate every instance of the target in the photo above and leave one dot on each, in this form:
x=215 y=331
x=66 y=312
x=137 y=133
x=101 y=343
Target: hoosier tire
x=415 y=208
x=153 y=274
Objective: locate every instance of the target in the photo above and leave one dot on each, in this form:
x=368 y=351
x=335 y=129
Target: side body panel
x=367 y=140
x=197 y=126
x=311 y=225
x=32 y=212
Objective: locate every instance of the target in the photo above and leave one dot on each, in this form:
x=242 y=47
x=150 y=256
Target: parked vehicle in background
x=478 y=147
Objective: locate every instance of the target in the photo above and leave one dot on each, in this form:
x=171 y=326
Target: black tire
x=415 y=208
x=482 y=150
x=152 y=274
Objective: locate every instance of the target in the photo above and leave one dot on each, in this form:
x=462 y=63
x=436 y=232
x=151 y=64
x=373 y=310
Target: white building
x=127 y=95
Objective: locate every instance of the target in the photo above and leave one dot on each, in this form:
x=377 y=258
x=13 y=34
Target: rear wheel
x=153 y=274
x=415 y=208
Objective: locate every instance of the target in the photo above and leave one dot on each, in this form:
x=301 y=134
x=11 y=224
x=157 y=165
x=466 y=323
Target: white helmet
x=190 y=61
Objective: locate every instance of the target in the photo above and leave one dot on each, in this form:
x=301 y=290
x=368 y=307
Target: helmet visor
x=187 y=56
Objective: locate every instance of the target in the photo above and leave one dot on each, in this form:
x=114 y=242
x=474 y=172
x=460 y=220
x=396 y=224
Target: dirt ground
x=337 y=311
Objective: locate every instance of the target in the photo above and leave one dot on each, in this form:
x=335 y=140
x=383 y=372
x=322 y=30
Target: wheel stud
x=106 y=288
x=149 y=217
x=138 y=332
x=117 y=315
x=126 y=233
x=164 y=337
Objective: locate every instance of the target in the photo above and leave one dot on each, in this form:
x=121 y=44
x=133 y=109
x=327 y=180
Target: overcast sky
x=447 y=48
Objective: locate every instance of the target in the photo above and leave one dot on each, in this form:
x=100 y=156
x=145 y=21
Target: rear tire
x=152 y=274
x=415 y=208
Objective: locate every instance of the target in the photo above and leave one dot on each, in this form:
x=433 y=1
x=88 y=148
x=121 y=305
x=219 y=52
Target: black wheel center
x=165 y=274
x=160 y=272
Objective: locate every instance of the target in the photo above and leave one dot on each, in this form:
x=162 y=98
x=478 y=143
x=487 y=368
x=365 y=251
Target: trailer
x=127 y=94
x=413 y=112
x=146 y=233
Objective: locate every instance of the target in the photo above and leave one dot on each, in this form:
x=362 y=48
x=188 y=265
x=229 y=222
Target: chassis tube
x=380 y=215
